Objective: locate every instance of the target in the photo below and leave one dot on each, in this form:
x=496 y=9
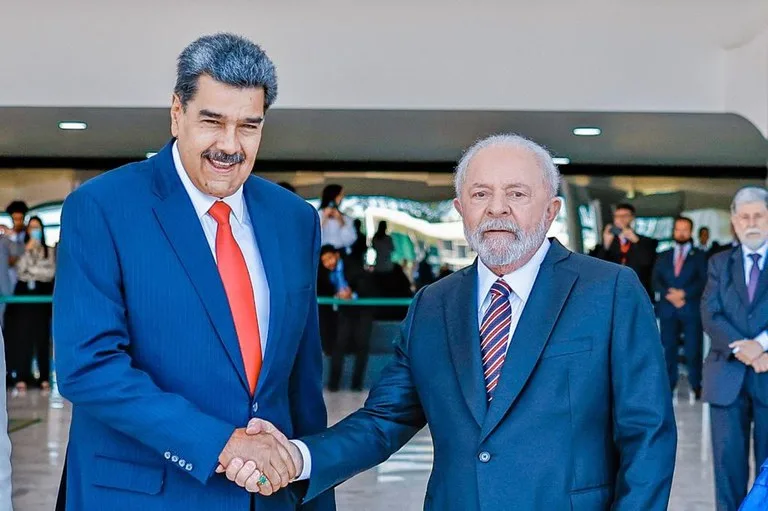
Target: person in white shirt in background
x=337 y=229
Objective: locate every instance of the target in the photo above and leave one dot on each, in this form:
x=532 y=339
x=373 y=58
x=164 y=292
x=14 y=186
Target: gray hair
x=548 y=167
x=229 y=59
x=749 y=194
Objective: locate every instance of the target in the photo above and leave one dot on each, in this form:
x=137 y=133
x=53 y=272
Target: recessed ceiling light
x=72 y=125
x=561 y=161
x=587 y=132
x=150 y=154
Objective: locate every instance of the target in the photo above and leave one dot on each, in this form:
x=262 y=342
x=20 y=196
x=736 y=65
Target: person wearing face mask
x=734 y=311
x=679 y=277
x=28 y=325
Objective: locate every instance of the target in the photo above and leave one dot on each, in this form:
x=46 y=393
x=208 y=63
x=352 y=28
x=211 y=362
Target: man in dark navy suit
x=539 y=371
x=679 y=278
x=735 y=315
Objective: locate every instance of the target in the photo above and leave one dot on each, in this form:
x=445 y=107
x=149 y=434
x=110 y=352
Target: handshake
x=260 y=458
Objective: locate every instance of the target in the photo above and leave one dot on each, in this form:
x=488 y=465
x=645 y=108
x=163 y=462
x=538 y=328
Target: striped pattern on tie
x=494 y=334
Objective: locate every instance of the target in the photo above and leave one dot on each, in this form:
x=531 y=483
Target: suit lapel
x=464 y=341
x=179 y=221
x=265 y=228
x=550 y=291
x=762 y=286
x=739 y=282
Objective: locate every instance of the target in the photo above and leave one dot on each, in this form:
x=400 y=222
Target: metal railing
x=322 y=300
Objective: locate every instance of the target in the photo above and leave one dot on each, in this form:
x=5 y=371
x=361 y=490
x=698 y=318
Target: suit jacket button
x=484 y=457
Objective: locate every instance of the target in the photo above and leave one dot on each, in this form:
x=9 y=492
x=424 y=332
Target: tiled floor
x=38 y=453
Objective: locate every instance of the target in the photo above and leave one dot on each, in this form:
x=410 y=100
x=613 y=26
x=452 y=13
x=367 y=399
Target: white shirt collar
x=202 y=201
x=521 y=280
x=762 y=251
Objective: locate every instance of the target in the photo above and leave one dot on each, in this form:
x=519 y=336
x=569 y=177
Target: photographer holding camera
x=337 y=229
x=622 y=245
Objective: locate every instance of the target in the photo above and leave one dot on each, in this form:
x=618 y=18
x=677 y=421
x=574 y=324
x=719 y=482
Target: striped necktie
x=494 y=334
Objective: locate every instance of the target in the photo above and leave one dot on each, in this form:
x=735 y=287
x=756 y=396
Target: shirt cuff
x=763 y=340
x=304 y=450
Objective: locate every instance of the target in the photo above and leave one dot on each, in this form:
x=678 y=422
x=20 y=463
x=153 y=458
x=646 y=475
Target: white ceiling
x=551 y=55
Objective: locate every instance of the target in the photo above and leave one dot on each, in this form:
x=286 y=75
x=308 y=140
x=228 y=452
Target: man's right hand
x=608 y=236
x=245 y=474
x=262 y=451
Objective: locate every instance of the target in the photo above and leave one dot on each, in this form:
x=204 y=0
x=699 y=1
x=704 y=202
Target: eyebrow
x=213 y=115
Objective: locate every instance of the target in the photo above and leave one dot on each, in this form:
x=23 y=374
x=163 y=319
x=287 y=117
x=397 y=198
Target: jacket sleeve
x=716 y=322
x=392 y=415
x=644 y=422
x=93 y=349
x=308 y=412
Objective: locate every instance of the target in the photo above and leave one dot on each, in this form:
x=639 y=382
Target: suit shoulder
x=444 y=285
x=281 y=198
x=592 y=266
x=719 y=259
x=117 y=185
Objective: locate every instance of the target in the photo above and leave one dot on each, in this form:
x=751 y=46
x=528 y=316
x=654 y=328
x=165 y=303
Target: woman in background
x=384 y=247
x=337 y=228
x=28 y=325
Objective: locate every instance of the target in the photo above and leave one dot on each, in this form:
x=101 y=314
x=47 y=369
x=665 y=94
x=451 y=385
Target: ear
x=553 y=209
x=457 y=205
x=176 y=112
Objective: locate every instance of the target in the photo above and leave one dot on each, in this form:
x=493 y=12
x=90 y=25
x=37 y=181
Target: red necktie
x=624 y=247
x=237 y=284
x=679 y=260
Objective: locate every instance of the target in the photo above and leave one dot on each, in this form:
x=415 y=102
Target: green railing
x=323 y=300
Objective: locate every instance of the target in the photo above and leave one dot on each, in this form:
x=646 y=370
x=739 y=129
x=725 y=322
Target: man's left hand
x=629 y=234
x=748 y=352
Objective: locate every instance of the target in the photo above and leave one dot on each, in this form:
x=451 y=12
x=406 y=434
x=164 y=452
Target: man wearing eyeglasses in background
x=622 y=245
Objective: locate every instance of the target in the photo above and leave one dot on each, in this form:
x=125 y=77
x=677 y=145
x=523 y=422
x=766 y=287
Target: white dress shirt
x=521 y=281
x=333 y=233
x=763 y=337
x=242 y=229
x=686 y=250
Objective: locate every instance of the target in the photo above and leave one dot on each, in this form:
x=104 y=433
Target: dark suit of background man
x=622 y=245
x=679 y=278
x=185 y=305
x=735 y=315
x=539 y=371
x=345 y=278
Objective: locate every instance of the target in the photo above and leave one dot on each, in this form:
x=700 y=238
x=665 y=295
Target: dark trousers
x=28 y=334
x=730 y=443
x=690 y=327
x=353 y=336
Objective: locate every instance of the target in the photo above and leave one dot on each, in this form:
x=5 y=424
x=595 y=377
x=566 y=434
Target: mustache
x=752 y=231
x=224 y=157
x=498 y=224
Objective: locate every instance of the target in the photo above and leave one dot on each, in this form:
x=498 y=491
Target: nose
x=499 y=206
x=227 y=141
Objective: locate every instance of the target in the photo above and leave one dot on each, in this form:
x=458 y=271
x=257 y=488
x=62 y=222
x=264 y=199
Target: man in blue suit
x=735 y=315
x=185 y=306
x=679 y=278
x=539 y=371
